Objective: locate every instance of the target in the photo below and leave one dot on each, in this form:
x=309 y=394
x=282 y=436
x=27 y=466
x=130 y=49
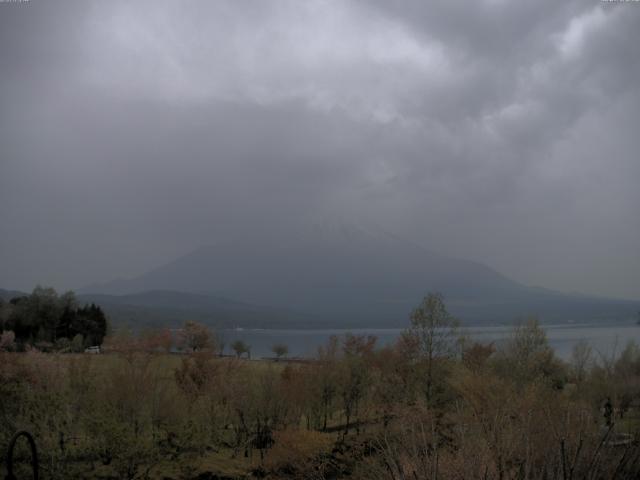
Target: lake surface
x=606 y=339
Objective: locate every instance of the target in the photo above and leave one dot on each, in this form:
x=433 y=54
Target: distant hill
x=170 y=309
x=7 y=295
x=351 y=276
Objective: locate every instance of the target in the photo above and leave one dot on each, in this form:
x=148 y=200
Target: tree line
x=50 y=321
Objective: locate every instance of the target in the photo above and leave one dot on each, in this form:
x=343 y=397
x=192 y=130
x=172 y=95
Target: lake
x=606 y=339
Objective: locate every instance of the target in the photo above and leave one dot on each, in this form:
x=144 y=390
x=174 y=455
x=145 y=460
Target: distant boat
x=240 y=329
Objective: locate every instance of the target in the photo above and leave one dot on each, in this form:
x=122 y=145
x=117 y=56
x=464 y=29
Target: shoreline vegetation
x=434 y=404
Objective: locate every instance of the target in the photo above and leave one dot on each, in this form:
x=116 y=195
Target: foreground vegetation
x=433 y=405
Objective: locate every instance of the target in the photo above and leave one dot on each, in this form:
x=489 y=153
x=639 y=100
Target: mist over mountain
x=353 y=275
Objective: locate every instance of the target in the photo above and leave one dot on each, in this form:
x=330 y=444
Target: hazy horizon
x=134 y=133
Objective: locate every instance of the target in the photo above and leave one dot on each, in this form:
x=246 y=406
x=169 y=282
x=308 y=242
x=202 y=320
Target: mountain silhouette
x=352 y=275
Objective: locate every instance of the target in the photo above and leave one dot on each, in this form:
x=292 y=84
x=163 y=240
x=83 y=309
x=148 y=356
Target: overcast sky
x=503 y=132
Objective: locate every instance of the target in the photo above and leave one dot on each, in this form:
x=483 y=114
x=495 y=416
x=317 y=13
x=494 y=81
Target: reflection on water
x=606 y=339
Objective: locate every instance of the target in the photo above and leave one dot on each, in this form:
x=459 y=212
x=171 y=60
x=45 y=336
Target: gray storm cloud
x=133 y=132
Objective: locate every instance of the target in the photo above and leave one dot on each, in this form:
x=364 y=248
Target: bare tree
x=527 y=356
x=435 y=334
x=581 y=357
x=280 y=350
x=196 y=337
x=240 y=348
